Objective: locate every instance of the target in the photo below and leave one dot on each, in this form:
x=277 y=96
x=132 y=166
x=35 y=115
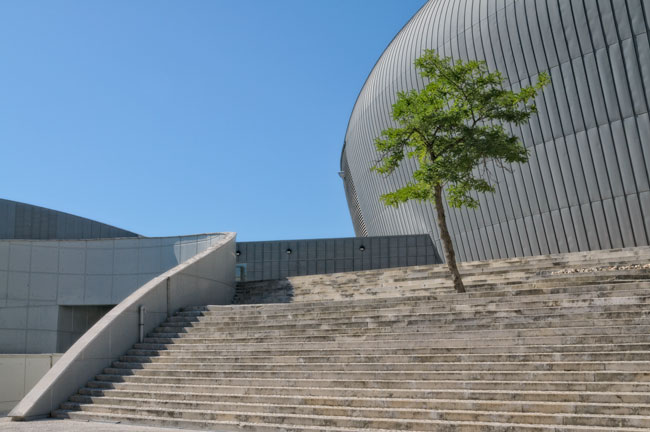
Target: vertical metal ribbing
x=470 y=52
x=623 y=11
x=567 y=127
x=576 y=174
x=25 y=221
x=603 y=232
x=358 y=223
x=645 y=213
x=617 y=160
x=523 y=195
x=488 y=202
x=556 y=240
x=578 y=164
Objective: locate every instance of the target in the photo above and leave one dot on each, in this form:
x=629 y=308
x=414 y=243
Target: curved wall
x=586 y=185
x=25 y=221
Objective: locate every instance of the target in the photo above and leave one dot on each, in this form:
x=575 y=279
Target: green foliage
x=453 y=127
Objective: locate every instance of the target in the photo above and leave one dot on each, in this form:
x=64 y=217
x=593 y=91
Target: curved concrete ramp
x=206 y=278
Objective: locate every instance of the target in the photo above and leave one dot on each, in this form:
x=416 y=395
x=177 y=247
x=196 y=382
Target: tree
x=453 y=127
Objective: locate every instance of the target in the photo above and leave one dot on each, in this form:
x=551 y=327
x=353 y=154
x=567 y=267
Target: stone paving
x=58 y=425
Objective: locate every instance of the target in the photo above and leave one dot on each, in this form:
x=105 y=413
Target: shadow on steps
x=264 y=292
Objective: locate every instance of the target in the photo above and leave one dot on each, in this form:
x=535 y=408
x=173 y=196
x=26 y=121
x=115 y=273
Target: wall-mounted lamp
x=288 y=251
x=362 y=248
x=237 y=253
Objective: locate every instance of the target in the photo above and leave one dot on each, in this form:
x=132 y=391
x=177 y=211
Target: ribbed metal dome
x=586 y=186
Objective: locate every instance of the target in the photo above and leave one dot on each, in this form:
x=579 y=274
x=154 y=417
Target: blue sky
x=178 y=117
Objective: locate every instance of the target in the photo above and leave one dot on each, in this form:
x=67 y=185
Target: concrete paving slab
x=59 y=425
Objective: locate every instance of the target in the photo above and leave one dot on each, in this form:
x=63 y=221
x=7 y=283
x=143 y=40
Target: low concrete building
x=59 y=275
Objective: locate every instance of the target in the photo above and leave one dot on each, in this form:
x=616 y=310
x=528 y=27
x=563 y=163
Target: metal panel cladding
x=25 y=221
x=586 y=185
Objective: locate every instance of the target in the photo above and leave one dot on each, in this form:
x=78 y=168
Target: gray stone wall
x=270 y=260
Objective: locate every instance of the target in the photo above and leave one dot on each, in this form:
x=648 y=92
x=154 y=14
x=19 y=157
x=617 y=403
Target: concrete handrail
x=207 y=278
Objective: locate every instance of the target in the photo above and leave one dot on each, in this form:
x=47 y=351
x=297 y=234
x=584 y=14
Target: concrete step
x=638 y=376
x=143 y=383
x=237 y=426
x=570 y=287
x=598 y=356
x=406 y=334
x=601 y=309
x=442 y=285
x=475 y=342
x=419 y=350
x=436 y=303
x=441 y=273
x=495 y=266
x=492 y=290
x=485 y=279
x=293 y=415
x=378 y=408
x=410 y=274
x=404 y=302
x=366 y=397
x=554 y=318
x=397 y=326
x=390 y=290
x=564 y=366
x=500 y=290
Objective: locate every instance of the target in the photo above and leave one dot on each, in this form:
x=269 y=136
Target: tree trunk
x=448 y=247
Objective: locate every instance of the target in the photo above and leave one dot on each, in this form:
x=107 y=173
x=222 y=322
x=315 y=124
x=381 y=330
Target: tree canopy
x=454 y=126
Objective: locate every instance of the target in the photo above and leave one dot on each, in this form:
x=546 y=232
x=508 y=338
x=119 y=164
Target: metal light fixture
x=237 y=253
x=362 y=248
x=288 y=251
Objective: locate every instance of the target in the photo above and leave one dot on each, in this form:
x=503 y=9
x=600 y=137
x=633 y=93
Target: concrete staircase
x=530 y=347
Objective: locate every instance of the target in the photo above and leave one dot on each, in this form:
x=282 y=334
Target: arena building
x=586 y=186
